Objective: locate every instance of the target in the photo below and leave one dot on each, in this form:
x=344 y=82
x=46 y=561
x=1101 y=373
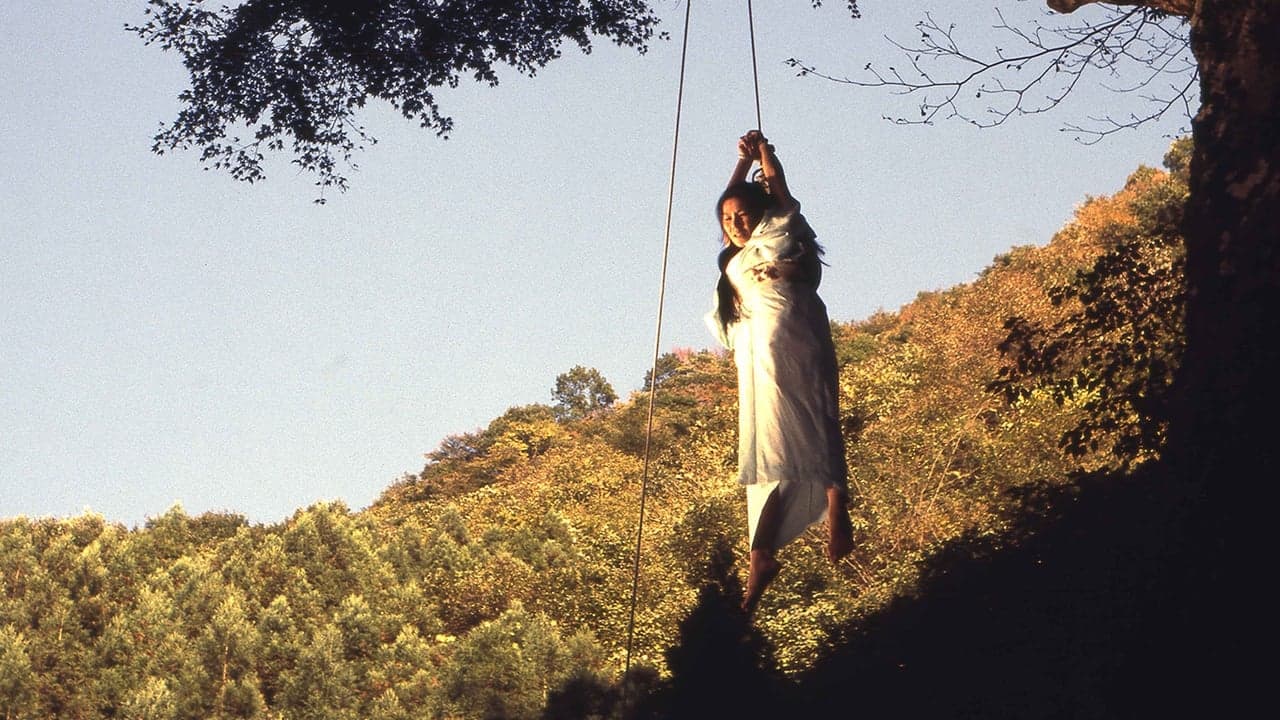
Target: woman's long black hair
x=756 y=199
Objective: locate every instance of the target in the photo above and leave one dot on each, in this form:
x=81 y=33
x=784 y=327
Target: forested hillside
x=498 y=579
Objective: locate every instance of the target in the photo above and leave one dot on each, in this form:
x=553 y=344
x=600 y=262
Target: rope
x=657 y=340
x=662 y=290
x=755 y=74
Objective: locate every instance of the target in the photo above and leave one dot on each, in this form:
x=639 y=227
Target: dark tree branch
x=1180 y=8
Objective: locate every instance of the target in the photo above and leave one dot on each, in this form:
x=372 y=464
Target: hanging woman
x=790 y=450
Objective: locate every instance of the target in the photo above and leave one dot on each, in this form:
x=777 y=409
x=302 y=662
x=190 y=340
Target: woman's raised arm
x=745 y=159
x=773 y=175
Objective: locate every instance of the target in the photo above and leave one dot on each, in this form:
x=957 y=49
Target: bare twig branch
x=1039 y=70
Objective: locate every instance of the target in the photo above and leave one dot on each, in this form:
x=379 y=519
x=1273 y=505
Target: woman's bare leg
x=839 y=528
x=763 y=565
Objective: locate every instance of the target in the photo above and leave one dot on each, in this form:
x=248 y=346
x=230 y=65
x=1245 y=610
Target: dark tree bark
x=1231 y=371
x=1222 y=436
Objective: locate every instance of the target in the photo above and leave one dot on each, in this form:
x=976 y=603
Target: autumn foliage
x=496 y=582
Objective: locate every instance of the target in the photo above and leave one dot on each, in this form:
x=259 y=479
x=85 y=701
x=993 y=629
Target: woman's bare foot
x=839 y=528
x=764 y=568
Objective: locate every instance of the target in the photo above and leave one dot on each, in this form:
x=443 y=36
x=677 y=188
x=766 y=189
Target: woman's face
x=738 y=220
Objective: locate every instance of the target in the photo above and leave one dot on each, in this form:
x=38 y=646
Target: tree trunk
x=1227 y=386
x=1222 y=433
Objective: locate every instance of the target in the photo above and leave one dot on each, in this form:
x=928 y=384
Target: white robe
x=788 y=400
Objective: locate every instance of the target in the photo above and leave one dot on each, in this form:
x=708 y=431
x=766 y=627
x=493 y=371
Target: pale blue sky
x=168 y=335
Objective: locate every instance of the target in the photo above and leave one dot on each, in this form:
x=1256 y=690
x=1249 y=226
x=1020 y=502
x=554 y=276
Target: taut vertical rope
x=657 y=339
x=662 y=288
x=755 y=74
